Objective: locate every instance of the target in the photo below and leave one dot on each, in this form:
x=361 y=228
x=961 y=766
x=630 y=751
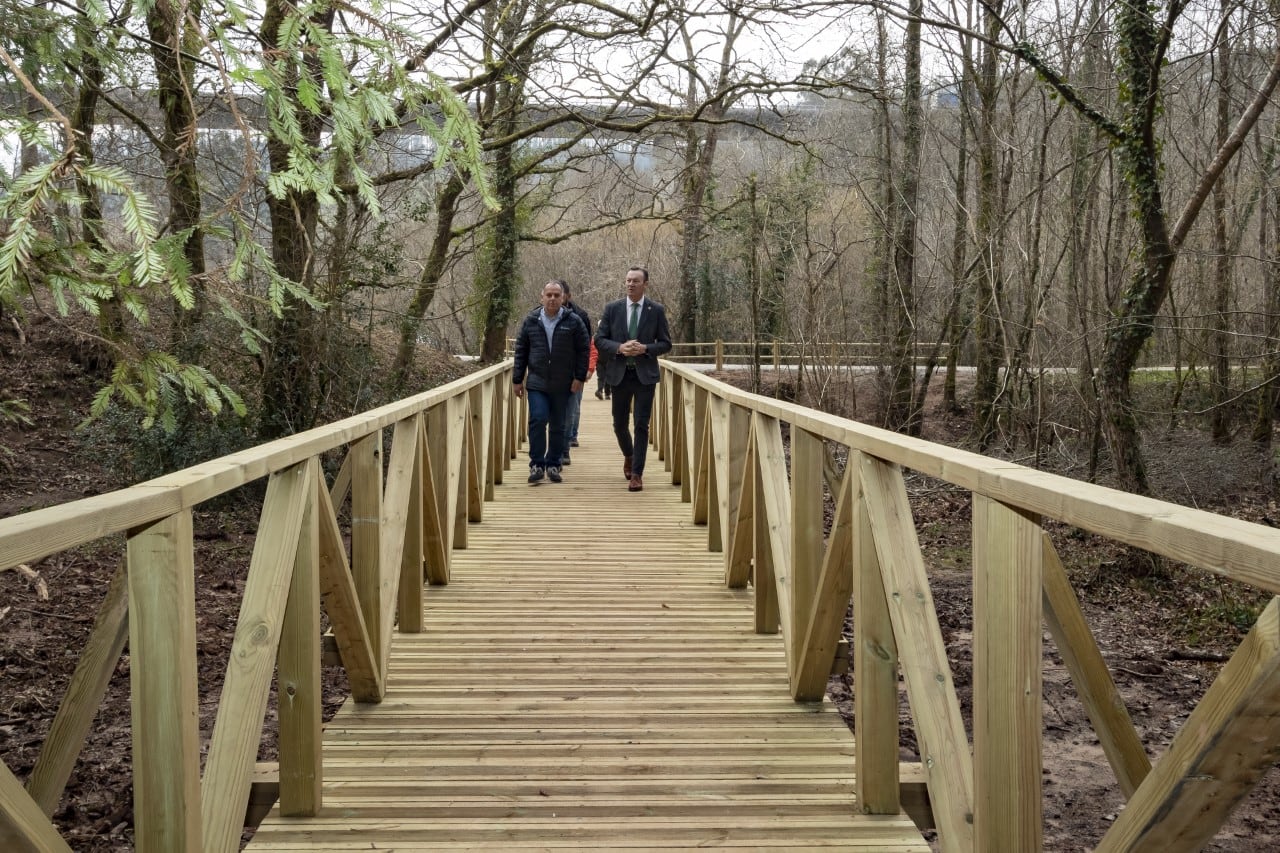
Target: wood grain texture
x=1007 y=713
x=163 y=688
x=944 y=747
x=237 y=731
x=587 y=682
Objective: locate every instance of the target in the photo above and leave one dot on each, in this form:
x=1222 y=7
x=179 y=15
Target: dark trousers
x=547 y=415
x=628 y=390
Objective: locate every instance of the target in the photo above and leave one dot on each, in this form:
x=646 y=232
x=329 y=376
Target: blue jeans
x=547 y=410
x=631 y=388
x=574 y=417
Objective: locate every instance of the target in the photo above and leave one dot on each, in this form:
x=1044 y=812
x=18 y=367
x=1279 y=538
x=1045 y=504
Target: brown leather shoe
x=626 y=467
x=636 y=484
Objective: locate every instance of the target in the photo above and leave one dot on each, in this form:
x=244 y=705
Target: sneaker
x=553 y=471
x=573 y=442
x=599 y=394
x=564 y=460
x=536 y=474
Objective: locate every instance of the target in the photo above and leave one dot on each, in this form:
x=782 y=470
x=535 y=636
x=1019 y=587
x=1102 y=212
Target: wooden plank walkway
x=587 y=682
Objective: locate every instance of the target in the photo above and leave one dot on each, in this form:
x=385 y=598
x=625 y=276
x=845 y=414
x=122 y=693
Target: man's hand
x=575 y=386
x=518 y=387
x=632 y=349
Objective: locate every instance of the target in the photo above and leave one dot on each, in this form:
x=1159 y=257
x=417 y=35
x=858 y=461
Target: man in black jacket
x=632 y=334
x=551 y=364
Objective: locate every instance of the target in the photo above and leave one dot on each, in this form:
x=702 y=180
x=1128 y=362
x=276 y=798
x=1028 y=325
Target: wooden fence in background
x=762 y=503
x=779 y=354
x=449 y=447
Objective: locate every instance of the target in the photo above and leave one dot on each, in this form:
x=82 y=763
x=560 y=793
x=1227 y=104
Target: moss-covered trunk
x=291 y=369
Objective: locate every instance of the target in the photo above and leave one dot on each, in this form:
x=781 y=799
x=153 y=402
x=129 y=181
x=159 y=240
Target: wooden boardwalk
x=586 y=681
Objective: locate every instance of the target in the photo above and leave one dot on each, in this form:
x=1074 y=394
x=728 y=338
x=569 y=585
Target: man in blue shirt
x=552 y=348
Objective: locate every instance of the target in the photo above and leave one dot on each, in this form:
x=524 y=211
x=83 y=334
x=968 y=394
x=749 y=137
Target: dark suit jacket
x=652 y=332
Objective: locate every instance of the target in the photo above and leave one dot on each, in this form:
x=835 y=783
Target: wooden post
x=298 y=678
x=777 y=356
x=773 y=545
x=658 y=430
x=366 y=532
x=412 y=558
x=402 y=532
x=498 y=461
x=805 y=523
x=762 y=577
x=478 y=437
x=456 y=466
x=675 y=458
x=718 y=499
x=875 y=670
x=435 y=490
x=944 y=747
x=700 y=467
x=719 y=354
x=164 y=694
x=733 y=493
x=237 y=729
x=434 y=541
x=1007 y=716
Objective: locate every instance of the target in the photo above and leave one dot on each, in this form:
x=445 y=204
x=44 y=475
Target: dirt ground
x=1162 y=634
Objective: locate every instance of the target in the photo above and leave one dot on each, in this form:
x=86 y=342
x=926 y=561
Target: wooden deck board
x=586 y=682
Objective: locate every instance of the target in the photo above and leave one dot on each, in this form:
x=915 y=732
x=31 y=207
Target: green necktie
x=632 y=327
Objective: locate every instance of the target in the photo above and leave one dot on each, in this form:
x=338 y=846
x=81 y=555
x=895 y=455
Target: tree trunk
x=898 y=409
x=425 y=291
x=289 y=380
x=173 y=46
x=1220 y=333
x=503 y=270
x=111 y=320
x=753 y=276
x=1269 y=239
x=988 y=286
x=959 y=236
x=699 y=156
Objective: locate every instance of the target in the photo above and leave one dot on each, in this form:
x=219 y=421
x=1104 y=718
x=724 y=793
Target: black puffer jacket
x=553 y=370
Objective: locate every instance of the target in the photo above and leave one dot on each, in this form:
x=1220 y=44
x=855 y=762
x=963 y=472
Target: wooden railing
x=779 y=354
x=449 y=447
x=725 y=449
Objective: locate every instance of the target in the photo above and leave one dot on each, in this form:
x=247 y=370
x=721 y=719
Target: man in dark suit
x=632 y=334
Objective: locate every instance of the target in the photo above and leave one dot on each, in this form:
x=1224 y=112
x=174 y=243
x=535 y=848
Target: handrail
x=449 y=448
x=724 y=448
